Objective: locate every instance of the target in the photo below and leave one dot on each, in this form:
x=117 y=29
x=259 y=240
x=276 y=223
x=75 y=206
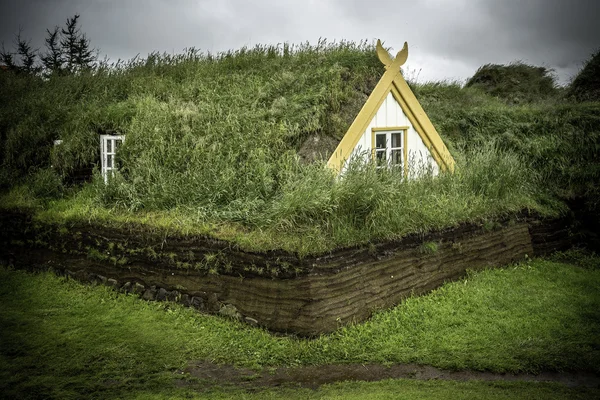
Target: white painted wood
x=389 y=115
x=108 y=150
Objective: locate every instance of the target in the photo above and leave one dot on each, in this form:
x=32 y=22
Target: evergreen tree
x=67 y=51
x=69 y=41
x=75 y=47
x=27 y=54
x=53 y=59
x=7 y=58
x=26 y=61
x=85 y=57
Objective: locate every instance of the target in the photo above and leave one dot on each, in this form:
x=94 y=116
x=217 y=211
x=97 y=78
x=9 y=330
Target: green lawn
x=61 y=339
x=400 y=389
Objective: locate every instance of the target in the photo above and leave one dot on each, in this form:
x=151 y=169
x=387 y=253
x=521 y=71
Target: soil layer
x=315 y=376
x=278 y=290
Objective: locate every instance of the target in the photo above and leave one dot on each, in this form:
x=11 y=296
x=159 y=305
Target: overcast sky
x=448 y=39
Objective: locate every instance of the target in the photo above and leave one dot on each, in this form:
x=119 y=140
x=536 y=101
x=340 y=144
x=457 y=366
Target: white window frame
x=108 y=152
x=388 y=150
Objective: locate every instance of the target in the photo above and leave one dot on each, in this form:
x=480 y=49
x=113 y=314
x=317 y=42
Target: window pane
x=380 y=141
x=109 y=161
x=109 y=146
x=397 y=139
x=396 y=157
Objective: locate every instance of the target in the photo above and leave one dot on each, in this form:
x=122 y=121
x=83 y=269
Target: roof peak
x=387 y=60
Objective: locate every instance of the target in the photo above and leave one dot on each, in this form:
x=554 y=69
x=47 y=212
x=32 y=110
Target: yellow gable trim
x=427 y=130
x=392 y=81
x=366 y=114
x=405 y=147
x=390 y=129
x=418 y=128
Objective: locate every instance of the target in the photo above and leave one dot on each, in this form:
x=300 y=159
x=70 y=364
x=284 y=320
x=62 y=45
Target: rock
x=173 y=295
x=149 y=294
x=96 y=279
x=185 y=300
x=213 y=302
x=138 y=288
x=161 y=295
x=112 y=283
x=229 y=310
x=126 y=288
x=197 y=302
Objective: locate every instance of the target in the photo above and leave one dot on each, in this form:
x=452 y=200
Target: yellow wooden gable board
x=392 y=81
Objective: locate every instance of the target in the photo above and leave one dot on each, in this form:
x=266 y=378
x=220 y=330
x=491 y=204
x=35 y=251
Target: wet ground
x=315 y=376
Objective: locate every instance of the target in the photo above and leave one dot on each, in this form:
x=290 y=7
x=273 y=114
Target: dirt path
x=315 y=376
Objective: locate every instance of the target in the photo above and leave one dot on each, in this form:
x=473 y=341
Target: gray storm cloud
x=448 y=39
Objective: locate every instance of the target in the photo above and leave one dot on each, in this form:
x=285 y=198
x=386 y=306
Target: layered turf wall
x=278 y=290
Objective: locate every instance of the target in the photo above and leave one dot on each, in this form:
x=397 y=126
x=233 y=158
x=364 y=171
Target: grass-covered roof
x=219 y=145
x=227 y=105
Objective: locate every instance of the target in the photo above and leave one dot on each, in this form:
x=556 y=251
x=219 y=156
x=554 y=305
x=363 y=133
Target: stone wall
x=276 y=290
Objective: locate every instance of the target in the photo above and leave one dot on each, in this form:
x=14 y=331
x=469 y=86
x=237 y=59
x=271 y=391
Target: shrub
x=515 y=83
x=586 y=85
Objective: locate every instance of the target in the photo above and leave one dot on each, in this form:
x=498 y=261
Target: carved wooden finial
x=387 y=60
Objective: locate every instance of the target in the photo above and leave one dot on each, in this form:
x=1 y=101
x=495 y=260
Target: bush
x=515 y=83
x=586 y=85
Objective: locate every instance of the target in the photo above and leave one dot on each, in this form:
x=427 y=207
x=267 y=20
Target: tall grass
x=560 y=140
x=313 y=210
x=229 y=98
x=216 y=138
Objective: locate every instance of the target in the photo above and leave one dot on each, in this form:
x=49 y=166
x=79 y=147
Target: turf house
x=393 y=128
x=296 y=187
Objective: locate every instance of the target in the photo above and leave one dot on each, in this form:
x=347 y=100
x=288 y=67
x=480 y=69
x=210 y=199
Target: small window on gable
x=109 y=145
x=389 y=147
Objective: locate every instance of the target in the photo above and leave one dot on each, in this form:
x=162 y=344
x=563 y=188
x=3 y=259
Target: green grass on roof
x=215 y=141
